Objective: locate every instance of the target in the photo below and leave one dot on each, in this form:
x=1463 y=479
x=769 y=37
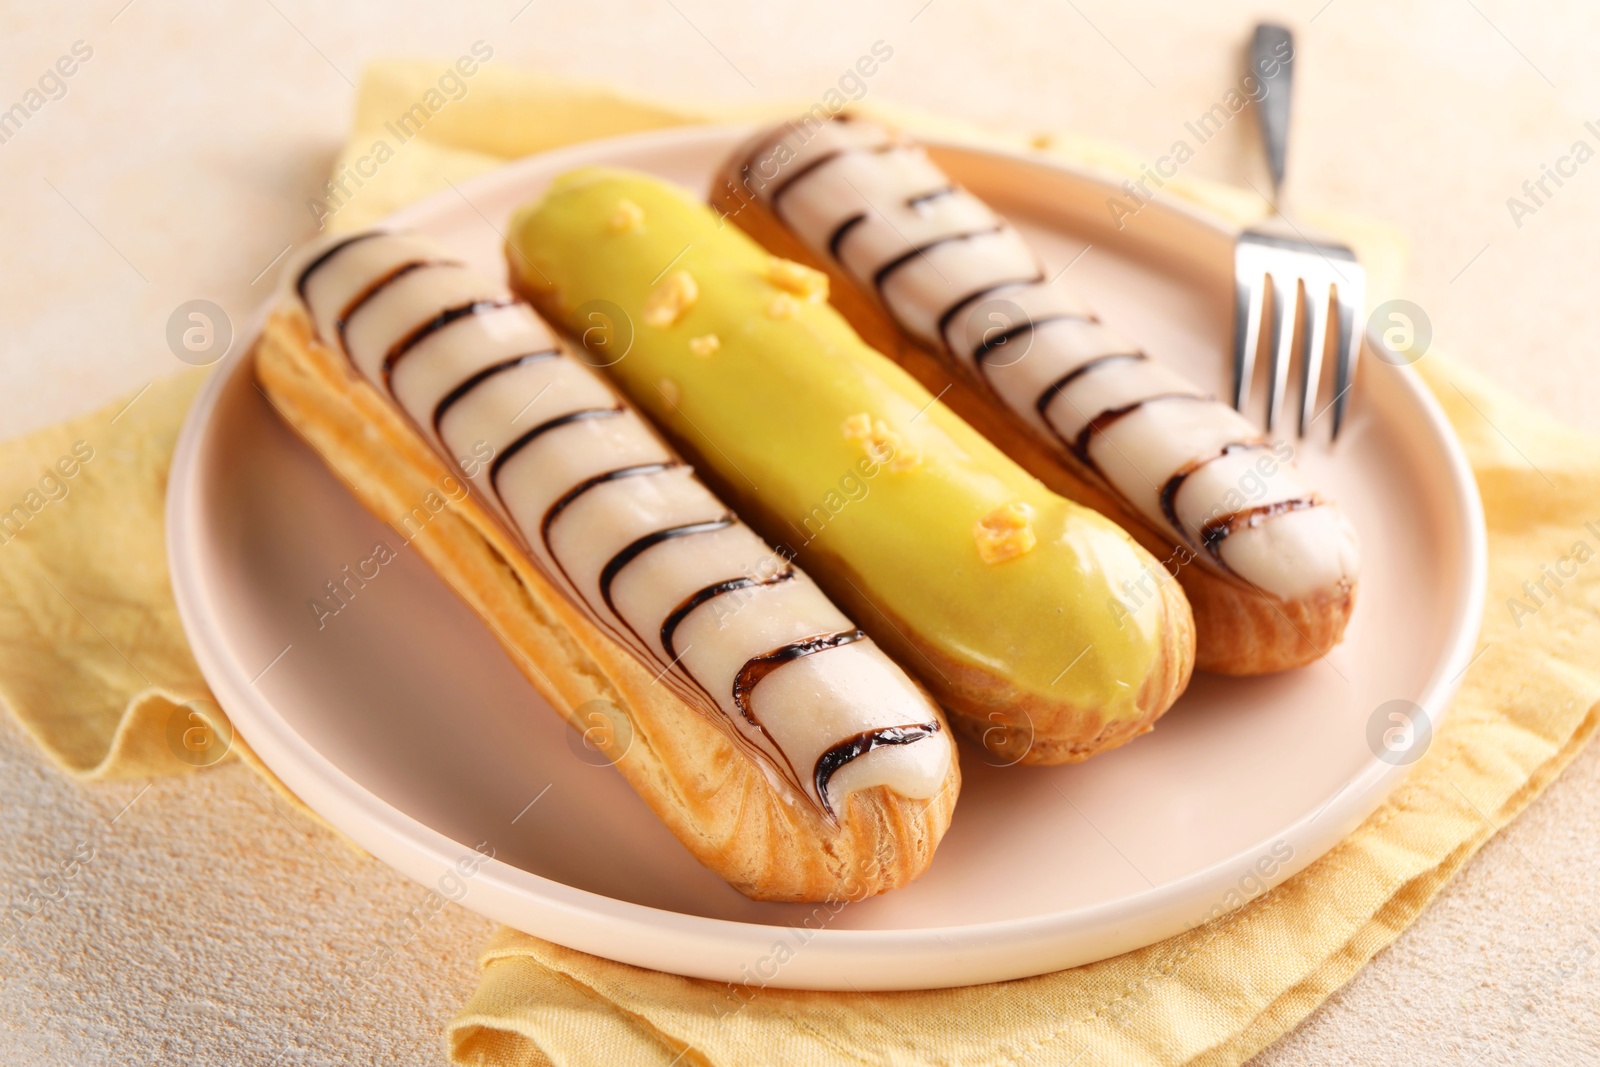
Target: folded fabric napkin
x=93 y=663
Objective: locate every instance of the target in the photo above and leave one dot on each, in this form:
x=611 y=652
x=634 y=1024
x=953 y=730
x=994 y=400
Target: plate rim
x=993 y=950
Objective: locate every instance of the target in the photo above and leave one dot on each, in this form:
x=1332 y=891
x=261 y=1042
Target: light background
x=210 y=924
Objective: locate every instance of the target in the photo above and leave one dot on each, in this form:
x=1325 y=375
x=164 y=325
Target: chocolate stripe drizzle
x=828 y=157
x=669 y=625
x=543 y=428
x=332 y=250
x=561 y=504
x=632 y=551
x=378 y=285
x=1213 y=533
x=1055 y=388
x=449 y=399
x=1169 y=488
x=989 y=344
x=835 y=758
x=1108 y=417
x=566 y=499
x=400 y=348
x=685 y=684
x=841 y=230
x=918 y=199
x=949 y=313
x=901 y=260
x=758 y=667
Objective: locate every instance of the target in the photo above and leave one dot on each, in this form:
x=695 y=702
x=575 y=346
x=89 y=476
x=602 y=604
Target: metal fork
x=1305 y=282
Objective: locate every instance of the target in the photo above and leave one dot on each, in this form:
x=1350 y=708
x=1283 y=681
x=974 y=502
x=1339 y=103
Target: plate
x=402 y=722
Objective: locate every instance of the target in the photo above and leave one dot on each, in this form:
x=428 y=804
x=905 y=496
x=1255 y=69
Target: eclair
x=930 y=274
x=993 y=590
x=787 y=751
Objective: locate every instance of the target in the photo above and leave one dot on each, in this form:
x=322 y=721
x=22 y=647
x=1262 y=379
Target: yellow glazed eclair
x=930 y=274
x=990 y=588
x=785 y=750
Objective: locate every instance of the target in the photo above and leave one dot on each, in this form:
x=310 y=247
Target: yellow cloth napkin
x=93 y=660
x=86 y=598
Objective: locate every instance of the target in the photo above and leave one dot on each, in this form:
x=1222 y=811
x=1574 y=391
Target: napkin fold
x=92 y=659
x=94 y=665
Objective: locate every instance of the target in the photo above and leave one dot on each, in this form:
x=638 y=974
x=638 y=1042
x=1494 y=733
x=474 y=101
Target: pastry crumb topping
x=705 y=346
x=856 y=426
x=670 y=391
x=881 y=444
x=667 y=302
x=1005 y=533
x=628 y=216
x=783 y=306
x=797 y=278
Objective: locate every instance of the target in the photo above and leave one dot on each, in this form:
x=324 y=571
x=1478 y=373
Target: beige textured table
x=177 y=164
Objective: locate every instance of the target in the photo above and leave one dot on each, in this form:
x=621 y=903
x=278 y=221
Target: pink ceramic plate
x=402 y=722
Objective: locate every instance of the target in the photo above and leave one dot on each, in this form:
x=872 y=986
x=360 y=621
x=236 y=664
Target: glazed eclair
x=934 y=276
x=990 y=588
x=785 y=749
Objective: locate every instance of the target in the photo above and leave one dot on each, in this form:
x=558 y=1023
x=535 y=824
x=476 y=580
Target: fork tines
x=1301 y=284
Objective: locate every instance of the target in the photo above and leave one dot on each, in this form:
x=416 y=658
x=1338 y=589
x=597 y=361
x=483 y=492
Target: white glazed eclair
x=785 y=749
x=931 y=274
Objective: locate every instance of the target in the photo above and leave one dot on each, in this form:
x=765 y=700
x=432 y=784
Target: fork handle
x=1272 y=61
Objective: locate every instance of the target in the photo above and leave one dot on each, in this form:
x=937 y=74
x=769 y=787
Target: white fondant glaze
x=853 y=188
x=398 y=309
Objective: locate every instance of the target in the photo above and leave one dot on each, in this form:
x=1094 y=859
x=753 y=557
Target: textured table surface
x=177 y=165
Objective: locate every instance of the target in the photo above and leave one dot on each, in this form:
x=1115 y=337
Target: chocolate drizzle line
x=1169 y=488
x=841 y=230
x=1055 y=388
x=333 y=250
x=918 y=199
x=400 y=348
x=950 y=312
x=854 y=748
x=758 y=667
x=981 y=353
x=632 y=551
x=669 y=625
x=566 y=499
x=543 y=428
x=1213 y=533
x=448 y=401
x=1108 y=417
x=825 y=158
x=378 y=285
x=783 y=186
x=901 y=260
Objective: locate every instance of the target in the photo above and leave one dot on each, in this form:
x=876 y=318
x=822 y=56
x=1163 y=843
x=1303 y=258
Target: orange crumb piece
x=797 y=278
x=628 y=216
x=667 y=302
x=881 y=444
x=1005 y=533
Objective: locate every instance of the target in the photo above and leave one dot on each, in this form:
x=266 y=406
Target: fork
x=1277 y=265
